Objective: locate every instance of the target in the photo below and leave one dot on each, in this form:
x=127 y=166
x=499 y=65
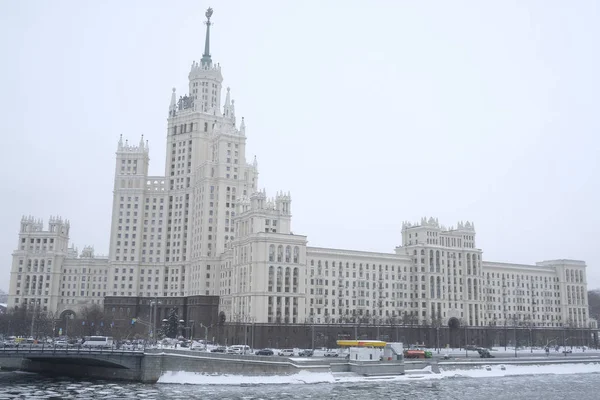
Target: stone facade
x=48 y=276
x=194 y=311
x=204 y=229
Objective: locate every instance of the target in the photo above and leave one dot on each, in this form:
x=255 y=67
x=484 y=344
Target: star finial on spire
x=206 y=60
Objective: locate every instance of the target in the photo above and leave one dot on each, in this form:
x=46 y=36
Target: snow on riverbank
x=304 y=377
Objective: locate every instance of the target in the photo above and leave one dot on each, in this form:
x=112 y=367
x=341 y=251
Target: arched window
x=295 y=282
x=279 y=253
x=288 y=278
x=288 y=254
x=469 y=289
x=431 y=287
x=272 y=253
x=431 y=261
x=271 y=277
x=296 y=255
x=279 y=278
x=468 y=264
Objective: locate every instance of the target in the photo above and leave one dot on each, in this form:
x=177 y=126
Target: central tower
x=205 y=173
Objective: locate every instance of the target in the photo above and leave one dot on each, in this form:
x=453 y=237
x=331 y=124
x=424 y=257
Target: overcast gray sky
x=370 y=113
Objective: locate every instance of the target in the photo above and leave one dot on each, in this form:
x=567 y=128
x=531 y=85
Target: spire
x=243 y=128
x=142 y=143
x=227 y=106
x=173 y=100
x=120 y=146
x=206 y=60
x=173 y=105
x=255 y=163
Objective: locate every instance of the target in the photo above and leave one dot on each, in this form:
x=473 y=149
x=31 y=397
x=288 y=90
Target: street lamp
x=437 y=330
x=205 y=334
x=154 y=303
x=245 y=319
x=182 y=328
x=515 y=335
x=312 y=323
x=35 y=303
x=466 y=351
x=165 y=325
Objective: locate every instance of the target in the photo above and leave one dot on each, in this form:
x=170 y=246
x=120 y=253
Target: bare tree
x=92 y=318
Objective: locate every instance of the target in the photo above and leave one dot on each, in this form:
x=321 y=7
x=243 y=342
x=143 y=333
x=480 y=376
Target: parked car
x=484 y=353
x=286 y=352
x=264 y=352
x=331 y=353
x=305 y=353
x=239 y=349
x=220 y=349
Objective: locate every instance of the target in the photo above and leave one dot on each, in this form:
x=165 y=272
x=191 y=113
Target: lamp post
x=205 y=334
x=252 y=342
x=35 y=303
x=153 y=321
x=530 y=340
x=182 y=327
x=245 y=334
x=515 y=336
x=466 y=351
x=165 y=325
x=312 y=323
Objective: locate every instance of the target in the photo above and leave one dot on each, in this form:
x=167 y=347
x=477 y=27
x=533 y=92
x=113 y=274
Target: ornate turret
x=243 y=128
x=228 y=108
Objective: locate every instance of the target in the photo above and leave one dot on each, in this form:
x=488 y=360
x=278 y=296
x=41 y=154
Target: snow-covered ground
x=451 y=352
x=424 y=374
x=522 y=351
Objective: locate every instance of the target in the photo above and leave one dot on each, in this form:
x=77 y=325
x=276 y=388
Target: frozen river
x=564 y=382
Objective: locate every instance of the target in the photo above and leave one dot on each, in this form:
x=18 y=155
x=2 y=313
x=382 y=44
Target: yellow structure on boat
x=361 y=343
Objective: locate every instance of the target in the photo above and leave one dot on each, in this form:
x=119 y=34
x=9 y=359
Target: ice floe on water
x=304 y=377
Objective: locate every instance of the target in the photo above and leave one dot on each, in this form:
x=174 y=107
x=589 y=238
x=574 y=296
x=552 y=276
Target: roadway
x=521 y=355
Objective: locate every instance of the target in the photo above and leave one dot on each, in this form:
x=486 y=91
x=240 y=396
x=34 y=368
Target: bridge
x=77 y=361
x=149 y=364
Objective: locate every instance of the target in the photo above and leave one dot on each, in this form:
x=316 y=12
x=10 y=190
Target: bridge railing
x=70 y=349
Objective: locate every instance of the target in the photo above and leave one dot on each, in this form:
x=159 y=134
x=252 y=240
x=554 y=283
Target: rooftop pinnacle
x=206 y=60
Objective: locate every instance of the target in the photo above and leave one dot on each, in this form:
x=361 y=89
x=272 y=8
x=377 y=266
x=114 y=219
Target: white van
x=103 y=342
x=287 y=353
x=239 y=349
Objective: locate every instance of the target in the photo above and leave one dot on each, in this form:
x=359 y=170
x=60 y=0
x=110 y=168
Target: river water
x=14 y=385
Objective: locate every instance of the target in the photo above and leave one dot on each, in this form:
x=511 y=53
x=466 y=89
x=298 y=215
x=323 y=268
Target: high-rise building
x=48 y=276
x=204 y=229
